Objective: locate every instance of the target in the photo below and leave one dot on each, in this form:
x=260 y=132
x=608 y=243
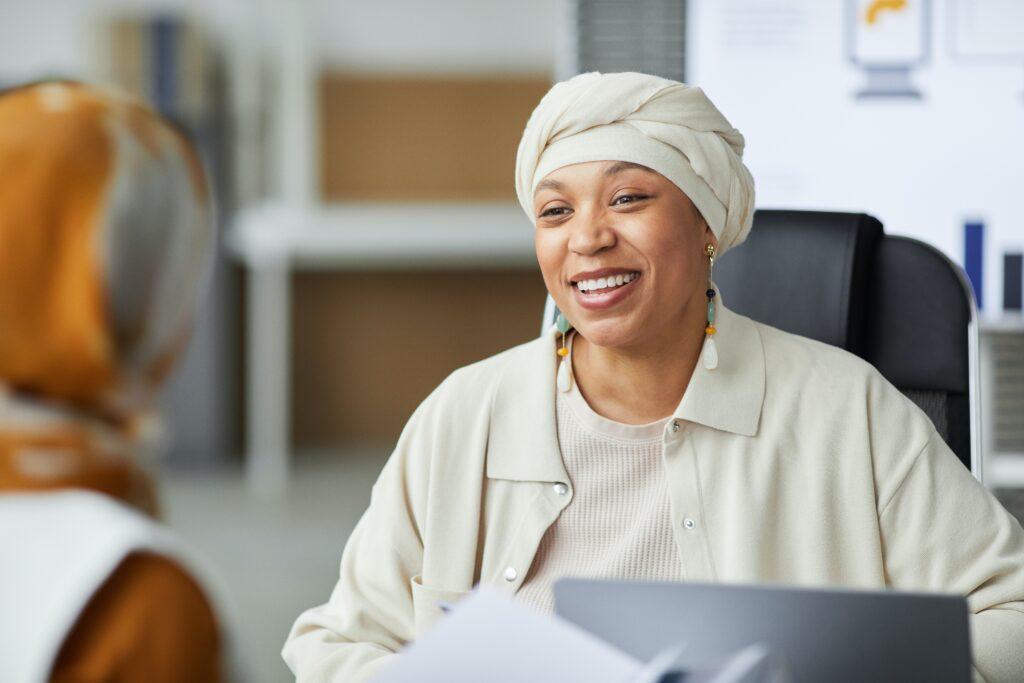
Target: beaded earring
x=565 y=364
x=710 y=354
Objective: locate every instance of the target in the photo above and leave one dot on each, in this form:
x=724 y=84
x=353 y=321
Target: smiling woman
x=784 y=461
x=602 y=219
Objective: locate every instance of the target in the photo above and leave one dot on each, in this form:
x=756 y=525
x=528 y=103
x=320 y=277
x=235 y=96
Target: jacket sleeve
x=370 y=614
x=943 y=531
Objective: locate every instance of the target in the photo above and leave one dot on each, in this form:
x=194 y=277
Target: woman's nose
x=591 y=234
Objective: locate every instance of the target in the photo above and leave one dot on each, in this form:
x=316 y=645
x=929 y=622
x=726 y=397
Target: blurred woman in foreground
x=105 y=237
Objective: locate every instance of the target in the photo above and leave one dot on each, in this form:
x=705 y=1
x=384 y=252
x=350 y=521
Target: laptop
x=822 y=635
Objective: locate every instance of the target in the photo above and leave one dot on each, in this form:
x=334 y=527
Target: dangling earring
x=564 y=376
x=710 y=353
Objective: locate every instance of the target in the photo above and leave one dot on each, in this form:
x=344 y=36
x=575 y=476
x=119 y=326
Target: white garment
x=58 y=548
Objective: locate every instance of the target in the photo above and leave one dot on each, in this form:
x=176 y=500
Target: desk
x=272 y=241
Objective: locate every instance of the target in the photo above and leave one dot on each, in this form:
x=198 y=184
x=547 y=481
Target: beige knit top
x=619 y=524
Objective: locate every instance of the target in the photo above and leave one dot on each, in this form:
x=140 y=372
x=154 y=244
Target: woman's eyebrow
x=623 y=166
x=610 y=171
x=548 y=185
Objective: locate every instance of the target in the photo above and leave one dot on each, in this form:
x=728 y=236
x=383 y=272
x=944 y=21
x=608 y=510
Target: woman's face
x=602 y=223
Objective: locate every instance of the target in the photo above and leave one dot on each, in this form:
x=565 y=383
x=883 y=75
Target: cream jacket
x=796 y=462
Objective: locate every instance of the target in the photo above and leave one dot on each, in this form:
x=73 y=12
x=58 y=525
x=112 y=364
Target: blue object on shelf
x=1013 y=281
x=974 y=250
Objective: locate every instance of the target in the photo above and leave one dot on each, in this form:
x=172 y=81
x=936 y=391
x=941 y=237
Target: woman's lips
x=602 y=300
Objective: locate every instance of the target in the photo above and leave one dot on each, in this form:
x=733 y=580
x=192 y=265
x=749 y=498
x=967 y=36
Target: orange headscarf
x=105 y=237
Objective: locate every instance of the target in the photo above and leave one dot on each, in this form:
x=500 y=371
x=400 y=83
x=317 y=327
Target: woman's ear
x=709 y=235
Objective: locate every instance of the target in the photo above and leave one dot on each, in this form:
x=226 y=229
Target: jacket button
x=675 y=426
x=689 y=523
x=561 y=489
x=511 y=574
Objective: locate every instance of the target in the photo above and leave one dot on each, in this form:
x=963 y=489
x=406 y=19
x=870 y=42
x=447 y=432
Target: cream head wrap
x=665 y=125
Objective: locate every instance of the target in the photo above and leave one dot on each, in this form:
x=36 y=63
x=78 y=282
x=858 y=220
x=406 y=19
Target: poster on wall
x=909 y=110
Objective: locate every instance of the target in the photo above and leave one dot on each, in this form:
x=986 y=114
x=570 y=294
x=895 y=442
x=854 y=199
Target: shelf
x=361 y=236
x=1004 y=470
x=1004 y=322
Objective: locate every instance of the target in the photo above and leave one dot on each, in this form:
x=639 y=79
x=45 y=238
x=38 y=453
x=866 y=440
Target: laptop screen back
x=823 y=635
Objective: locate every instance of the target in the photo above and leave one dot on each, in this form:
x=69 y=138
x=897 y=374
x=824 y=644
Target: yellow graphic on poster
x=888 y=39
x=879 y=6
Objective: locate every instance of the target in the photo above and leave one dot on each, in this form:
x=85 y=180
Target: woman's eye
x=631 y=197
x=555 y=208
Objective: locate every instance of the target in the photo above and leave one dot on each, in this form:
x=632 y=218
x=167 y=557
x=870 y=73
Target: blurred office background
x=363 y=155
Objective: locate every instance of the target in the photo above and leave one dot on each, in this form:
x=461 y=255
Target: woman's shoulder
x=809 y=378
x=828 y=378
x=798 y=358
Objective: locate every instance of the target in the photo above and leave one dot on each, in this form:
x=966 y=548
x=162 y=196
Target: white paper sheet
x=490 y=637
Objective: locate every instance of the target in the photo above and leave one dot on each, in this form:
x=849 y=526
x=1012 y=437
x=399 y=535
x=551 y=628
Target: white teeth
x=602 y=283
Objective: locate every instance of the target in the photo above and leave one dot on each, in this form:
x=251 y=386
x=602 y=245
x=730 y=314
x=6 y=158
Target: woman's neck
x=638 y=385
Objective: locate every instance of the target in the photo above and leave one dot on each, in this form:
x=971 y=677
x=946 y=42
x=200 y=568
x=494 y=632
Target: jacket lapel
x=523 y=440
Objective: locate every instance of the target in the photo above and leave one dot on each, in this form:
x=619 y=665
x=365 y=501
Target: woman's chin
x=610 y=333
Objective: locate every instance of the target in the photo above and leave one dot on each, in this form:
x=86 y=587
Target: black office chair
x=898 y=303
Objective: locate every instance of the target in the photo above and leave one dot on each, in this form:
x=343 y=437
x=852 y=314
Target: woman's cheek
x=550 y=266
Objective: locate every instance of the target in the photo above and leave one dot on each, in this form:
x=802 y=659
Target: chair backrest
x=803 y=272
x=922 y=335
x=898 y=303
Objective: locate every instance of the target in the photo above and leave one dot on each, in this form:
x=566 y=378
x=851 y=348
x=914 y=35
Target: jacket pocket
x=427 y=601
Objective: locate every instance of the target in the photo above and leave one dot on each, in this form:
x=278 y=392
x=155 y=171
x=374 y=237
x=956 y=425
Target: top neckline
x=602 y=425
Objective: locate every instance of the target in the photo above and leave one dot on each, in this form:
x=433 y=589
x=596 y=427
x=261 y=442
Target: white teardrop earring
x=710 y=354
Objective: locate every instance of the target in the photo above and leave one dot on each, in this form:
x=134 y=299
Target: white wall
x=780 y=71
x=453 y=36
x=55 y=37
x=440 y=35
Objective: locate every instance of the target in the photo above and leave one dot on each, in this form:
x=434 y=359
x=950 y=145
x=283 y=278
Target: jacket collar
x=523 y=439
x=523 y=442
x=729 y=398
